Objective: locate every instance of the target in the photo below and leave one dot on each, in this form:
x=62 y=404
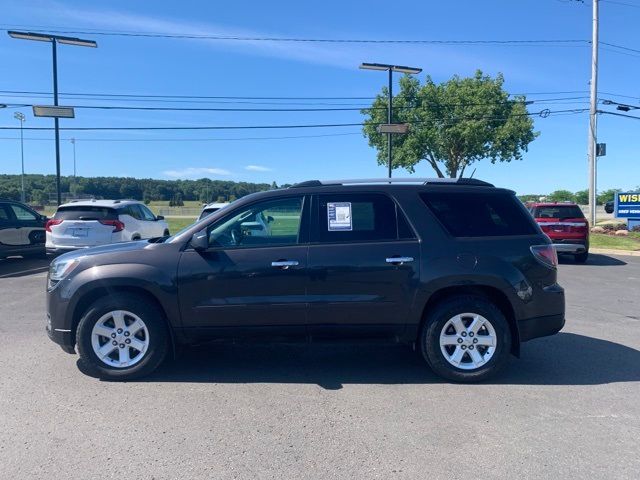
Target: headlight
x=59 y=269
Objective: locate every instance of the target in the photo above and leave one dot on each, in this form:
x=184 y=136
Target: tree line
x=40 y=189
x=580 y=197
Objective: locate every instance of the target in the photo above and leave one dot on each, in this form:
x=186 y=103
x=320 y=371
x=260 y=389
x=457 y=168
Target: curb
x=611 y=251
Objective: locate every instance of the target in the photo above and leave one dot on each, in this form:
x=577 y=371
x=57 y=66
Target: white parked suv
x=90 y=223
x=210 y=208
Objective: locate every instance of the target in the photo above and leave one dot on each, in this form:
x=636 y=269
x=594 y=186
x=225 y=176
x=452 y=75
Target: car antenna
x=473 y=173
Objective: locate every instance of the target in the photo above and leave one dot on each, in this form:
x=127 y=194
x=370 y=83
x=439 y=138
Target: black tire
x=149 y=313
x=581 y=257
x=437 y=318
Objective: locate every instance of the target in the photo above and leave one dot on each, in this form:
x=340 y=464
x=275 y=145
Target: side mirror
x=160 y=217
x=44 y=218
x=200 y=241
x=270 y=219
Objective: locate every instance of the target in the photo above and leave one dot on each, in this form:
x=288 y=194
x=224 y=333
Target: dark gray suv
x=456 y=268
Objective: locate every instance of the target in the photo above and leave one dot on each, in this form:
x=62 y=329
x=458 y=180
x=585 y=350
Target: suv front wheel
x=122 y=337
x=466 y=339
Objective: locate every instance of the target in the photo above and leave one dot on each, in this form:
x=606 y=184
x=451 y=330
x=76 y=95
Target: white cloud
x=257 y=168
x=196 y=172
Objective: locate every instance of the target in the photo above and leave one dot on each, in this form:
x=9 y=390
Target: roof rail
x=391 y=181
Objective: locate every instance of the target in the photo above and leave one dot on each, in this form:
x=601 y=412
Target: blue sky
x=557 y=159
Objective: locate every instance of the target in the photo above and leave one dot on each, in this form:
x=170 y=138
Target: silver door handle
x=284 y=264
x=399 y=260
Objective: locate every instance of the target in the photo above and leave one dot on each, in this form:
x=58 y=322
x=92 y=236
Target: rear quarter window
x=86 y=213
x=469 y=214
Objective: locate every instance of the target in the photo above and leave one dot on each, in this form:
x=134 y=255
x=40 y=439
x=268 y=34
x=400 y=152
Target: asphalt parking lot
x=570 y=408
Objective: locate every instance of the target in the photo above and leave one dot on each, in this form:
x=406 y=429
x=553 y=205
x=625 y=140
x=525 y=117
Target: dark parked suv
x=21 y=230
x=457 y=268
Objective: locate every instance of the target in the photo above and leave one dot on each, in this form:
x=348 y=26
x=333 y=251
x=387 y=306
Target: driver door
x=253 y=276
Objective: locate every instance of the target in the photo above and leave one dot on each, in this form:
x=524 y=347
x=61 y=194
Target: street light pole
x=56 y=121
x=390 y=69
x=593 y=116
x=73 y=142
x=54 y=40
x=390 y=121
x=20 y=116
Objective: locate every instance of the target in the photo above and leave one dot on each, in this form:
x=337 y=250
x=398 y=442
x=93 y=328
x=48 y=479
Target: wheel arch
x=493 y=294
x=90 y=296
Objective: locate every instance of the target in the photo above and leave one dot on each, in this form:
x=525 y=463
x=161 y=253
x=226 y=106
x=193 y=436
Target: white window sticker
x=339 y=216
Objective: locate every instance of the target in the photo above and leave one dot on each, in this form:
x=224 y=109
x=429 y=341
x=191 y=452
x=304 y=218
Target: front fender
x=119 y=277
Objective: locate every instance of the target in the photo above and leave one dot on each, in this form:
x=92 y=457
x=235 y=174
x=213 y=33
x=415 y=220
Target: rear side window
x=83 y=212
x=558 y=211
x=4 y=214
x=466 y=214
x=360 y=218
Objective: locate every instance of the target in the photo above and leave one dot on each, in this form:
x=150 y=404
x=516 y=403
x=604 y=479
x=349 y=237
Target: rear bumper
x=536 y=327
x=570 y=246
x=545 y=315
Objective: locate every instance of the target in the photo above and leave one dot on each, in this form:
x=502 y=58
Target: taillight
x=546 y=255
x=580 y=227
x=117 y=225
x=50 y=223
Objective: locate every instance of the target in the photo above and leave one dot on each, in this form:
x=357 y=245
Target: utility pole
x=75 y=183
x=593 y=121
x=20 y=116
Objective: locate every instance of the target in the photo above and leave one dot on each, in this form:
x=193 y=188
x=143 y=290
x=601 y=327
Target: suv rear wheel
x=466 y=339
x=581 y=257
x=122 y=337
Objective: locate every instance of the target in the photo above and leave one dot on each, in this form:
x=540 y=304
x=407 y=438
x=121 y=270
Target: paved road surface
x=570 y=408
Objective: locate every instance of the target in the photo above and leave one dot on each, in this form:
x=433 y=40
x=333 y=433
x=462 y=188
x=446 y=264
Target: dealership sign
x=627 y=205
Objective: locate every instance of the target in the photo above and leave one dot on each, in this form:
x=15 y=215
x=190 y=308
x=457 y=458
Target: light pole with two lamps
x=390 y=69
x=21 y=118
x=54 y=40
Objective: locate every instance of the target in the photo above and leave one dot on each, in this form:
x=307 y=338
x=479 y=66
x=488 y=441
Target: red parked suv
x=565 y=225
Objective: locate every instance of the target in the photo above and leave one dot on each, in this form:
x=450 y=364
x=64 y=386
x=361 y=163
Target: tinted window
x=85 y=212
x=147 y=214
x=558 y=211
x=22 y=214
x=133 y=211
x=4 y=214
x=274 y=222
x=357 y=218
x=207 y=211
x=480 y=214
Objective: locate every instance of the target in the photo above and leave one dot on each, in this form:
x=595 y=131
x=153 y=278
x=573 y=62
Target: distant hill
x=40 y=188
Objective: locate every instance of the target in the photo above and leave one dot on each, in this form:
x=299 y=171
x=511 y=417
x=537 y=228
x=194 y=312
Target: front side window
x=22 y=214
x=357 y=218
x=269 y=223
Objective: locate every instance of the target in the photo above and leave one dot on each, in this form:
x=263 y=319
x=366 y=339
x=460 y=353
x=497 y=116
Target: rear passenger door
x=363 y=267
x=10 y=234
x=29 y=225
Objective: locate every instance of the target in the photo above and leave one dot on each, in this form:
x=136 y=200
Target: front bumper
x=61 y=336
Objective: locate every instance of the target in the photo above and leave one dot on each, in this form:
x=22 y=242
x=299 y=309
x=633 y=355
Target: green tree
x=452 y=124
x=561 y=196
x=606 y=196
x=582 y=197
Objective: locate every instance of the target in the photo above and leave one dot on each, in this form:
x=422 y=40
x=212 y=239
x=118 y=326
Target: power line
x=542 y=113
x=616 y=2
x=619 y=114
x=209 y=109
x=621 y=47
x=164 y=139
x=62 y=30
